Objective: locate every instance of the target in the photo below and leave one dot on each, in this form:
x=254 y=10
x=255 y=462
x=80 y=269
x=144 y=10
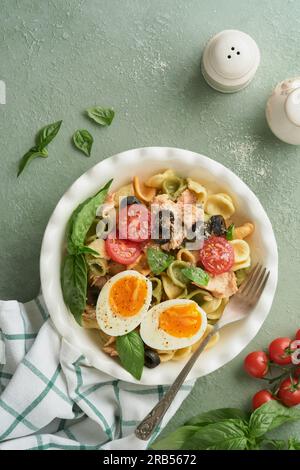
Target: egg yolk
x=181 y=321
x=127 y=296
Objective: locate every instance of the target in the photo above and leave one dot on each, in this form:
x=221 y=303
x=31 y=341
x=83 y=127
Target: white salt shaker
x=283 y=111
x=230 y=60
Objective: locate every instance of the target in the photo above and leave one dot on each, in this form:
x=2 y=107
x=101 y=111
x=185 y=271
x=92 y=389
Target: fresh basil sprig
x=232 y=429
x=74 y=284
x=83 y=140
x=74 y=269
x=102 y=116
x=131 y=352
x=197 y=275
x=158 y=260
x=43 y=138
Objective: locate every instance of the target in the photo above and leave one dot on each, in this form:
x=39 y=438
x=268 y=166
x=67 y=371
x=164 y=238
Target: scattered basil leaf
x=130 y=348
x=197 y=275
x=102 y=116
x=177 y=439
x=74 y=284
x=269 y=416
x=83 y=140
x=83 y=218
x=222 y=435
x=158 y=260
x=47 y=134
x=230 y=232
x=220 y=414
x=33 y=153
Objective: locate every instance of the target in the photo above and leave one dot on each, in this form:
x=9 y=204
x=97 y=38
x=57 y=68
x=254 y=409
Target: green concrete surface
x=58 y=57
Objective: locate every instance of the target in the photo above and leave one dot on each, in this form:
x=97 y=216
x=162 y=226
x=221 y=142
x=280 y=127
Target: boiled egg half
x=123 y=302
x=173 y=324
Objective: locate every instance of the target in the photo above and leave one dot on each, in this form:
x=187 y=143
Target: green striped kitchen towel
x=52 y=398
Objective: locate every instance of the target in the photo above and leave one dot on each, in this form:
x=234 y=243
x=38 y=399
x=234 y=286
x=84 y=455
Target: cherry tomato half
x=256 y=364
x=217 y=255
x=289 y=392
x=260 y=398
x=134 y=223
x=122 y=251
x=280 y=351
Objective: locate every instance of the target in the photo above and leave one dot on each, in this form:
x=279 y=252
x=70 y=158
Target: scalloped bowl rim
x=146 y=161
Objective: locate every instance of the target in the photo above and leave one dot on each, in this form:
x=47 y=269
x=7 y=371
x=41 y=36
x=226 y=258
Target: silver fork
x=247 y=296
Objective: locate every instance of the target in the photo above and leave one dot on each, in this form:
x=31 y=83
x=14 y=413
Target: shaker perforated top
x=230 y=60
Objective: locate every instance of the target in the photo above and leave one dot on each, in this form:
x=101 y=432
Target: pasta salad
x=152 y=266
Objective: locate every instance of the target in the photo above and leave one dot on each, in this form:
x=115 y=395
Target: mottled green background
x=142 y=57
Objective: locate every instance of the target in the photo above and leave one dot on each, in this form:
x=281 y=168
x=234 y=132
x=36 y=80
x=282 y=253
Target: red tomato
x=297 y=372
x=289 y=392
x=280 y=351
x=260 y=398
x=217 y=255
x=122 y=251
x=134 y=223
x=256 y=364
x=298 y=335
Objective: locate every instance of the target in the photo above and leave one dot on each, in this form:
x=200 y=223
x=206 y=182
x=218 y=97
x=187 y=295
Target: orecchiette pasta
x=141 y=265
x=173 y=186
x=97 y=266
x=213 y=340
x=156 y=290
x=186 y=255
x=124 y=191
x=156 y=181
x=243 y=231
x=99 y=246
x=220 y=204
x=171 y=290
x=181 y=353
x=241 y=250
x=175 y=273
x=143 y=192
x=198 y=189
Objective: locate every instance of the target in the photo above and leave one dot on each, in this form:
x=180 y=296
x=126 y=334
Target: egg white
x=156 y=338
x=112 y=323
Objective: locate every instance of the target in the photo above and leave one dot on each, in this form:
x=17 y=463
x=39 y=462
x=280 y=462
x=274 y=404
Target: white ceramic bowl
x=144 y=162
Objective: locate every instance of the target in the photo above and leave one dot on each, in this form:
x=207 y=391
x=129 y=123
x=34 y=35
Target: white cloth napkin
x=52 y=398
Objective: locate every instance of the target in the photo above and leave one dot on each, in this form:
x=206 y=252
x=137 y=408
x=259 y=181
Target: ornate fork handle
x=149 y=423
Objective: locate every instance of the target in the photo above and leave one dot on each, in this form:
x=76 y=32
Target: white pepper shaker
x=283 y=111
x=230 y=60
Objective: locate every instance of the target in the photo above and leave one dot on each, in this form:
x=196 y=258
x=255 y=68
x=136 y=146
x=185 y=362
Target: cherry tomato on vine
x=217 y=255
x=289 y=392
x=298 y=335
x=256 y=364
x=261 y=397
x=297 y=373
x=280 y=351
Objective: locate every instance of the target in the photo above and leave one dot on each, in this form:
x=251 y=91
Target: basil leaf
x=83 y=218
x=130 y=348
x=33 y=153
x=102 y=116
x=83 y=140
x=176 y=440
x=197 y=275
x=215 y=416
x=88 y=250
x=47 y=134
x=222 y=435
x=293 y=444
x=269 y=416
x=74 y=284
x=229 y=232
x=158 y=260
